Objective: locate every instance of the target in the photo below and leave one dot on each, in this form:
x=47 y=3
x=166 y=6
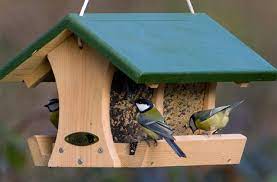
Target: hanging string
x=84 y=7
x=82 y=12
x=190 y=6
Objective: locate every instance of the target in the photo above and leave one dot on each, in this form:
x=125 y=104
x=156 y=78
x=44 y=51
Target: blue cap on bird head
x=144 y=105
x=192 y=124
x=53 y=105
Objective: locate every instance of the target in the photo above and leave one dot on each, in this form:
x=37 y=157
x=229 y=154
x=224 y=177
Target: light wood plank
x=223 y=149
x=210 y=96
x=37 y=58
x=38 y=75
x=83 y=78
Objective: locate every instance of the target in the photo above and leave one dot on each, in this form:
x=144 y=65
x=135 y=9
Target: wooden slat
x=210 y=96
x=38 y=57
x=38 y=75
x=224 y=149
x=83 y=78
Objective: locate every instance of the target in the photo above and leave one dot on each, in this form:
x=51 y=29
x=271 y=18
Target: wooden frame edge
x=225 y=149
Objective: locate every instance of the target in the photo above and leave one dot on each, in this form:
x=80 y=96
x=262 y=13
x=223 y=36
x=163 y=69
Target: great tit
x=53 y=107
x=212 y=120
x=154 y=124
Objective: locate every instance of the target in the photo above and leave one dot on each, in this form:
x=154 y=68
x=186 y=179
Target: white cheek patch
x=142 y=107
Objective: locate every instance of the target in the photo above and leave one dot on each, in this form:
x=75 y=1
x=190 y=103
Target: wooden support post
x=210 y=96
x=225 y=149
x=158 y=97
x=38 y=75
x=83 y=78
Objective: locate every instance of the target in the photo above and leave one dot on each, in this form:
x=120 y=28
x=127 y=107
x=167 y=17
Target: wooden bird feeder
x=175 y=59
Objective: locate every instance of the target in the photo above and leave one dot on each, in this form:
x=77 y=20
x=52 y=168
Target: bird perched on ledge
x=154 y=124
x=53 y=107
x=212 y=120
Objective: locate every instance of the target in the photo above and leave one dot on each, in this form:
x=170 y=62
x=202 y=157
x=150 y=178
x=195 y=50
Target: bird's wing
x=204 y=115
x=218 y=109
x=154 y=121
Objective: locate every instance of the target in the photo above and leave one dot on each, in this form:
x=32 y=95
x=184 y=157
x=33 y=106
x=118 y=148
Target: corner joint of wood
x=33 y=79
x=243 y=85
x=152 y=85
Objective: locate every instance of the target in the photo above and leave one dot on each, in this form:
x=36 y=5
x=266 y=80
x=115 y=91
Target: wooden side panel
x=83 y=80
x=200 y=149
x=27 y=68
x=210 y=96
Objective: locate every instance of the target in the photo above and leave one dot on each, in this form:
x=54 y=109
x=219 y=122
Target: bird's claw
x=155 y=143
x=148 y=142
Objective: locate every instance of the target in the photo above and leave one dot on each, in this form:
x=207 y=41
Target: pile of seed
x=180 y=102
x=123 y=112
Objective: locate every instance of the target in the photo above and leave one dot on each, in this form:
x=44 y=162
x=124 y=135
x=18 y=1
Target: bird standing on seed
x=212 y=120
x=53 y=107
x=154 y=124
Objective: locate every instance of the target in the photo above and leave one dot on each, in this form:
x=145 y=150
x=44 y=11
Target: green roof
x=162 y=47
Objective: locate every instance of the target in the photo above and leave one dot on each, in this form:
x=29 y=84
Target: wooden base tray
x=200 y=150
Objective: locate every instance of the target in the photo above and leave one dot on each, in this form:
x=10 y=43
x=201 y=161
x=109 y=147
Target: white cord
x=82 y=12
x=190 y=6
x=84 y=7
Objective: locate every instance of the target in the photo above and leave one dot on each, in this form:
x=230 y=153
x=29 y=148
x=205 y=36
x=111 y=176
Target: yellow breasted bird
x=154 y=124
x=53 y=107
x=212 y=120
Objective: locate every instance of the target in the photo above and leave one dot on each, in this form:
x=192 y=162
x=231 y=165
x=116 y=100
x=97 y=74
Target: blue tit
x=53 y=107
x=212 y=120
x=154 y=124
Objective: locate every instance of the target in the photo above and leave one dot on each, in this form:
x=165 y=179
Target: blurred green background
x=22 y=114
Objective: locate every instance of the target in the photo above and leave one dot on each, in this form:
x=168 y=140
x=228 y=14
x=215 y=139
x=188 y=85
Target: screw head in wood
x=100 y=150
x=80 y=162
x=61 y=150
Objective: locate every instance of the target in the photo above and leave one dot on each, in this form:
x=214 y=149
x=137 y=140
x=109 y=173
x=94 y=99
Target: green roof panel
x=163 y=47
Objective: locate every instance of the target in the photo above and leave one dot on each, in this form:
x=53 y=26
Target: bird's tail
x=175 y=147
x=236 y=104
x=231 y=107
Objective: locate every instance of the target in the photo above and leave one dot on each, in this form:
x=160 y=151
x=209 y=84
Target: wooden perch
x=225 y=149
